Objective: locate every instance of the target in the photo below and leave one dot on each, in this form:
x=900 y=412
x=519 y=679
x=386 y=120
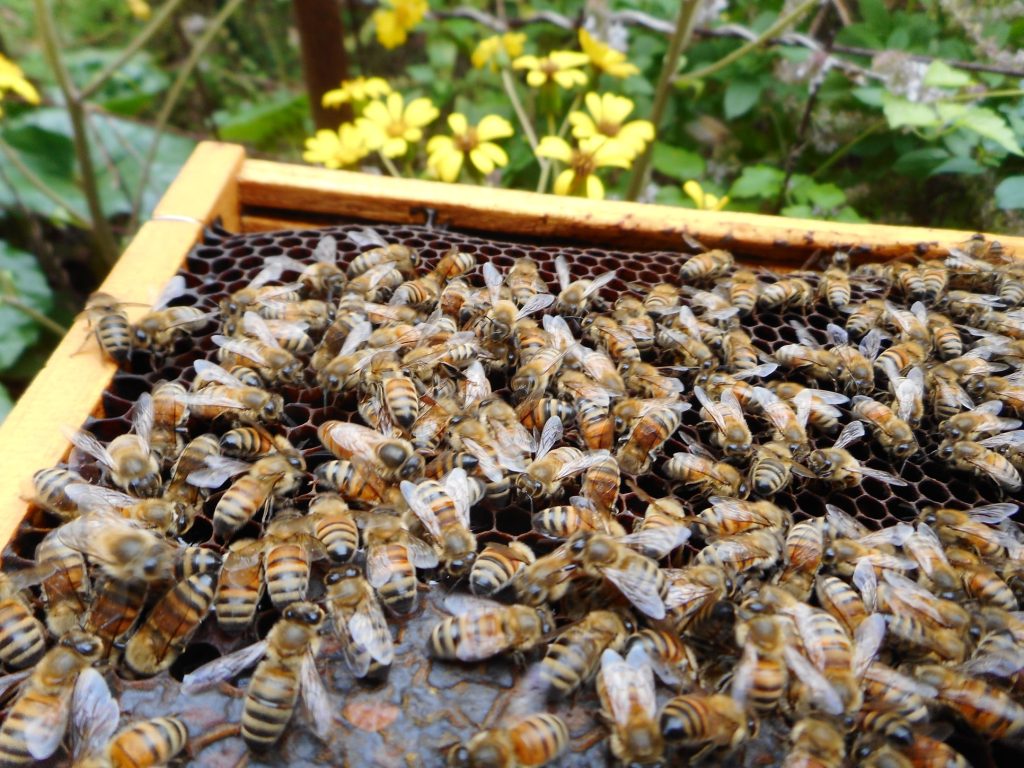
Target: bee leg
x=85 y=341
x=215 y=734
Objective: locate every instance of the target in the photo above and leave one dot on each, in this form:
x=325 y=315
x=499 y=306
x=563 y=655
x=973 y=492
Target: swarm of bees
x=683 y=578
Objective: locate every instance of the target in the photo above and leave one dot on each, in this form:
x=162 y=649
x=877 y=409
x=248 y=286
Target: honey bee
x=127 y=459
x=856 y=371
x=376 y=283
x=834 y=286
x=22 y=635
x=927 y=551
x=481 y=629
x=656 y=423
x=969 y=456
x=454 y=264
x=529 y=742
x=252 y=297
x=323 y=278
x=771 y=469
x=980 y=581
x=262 y=352
x=702 y=720
x=982 y=421
x=706 y=266
x=739 y=351
x=359 y=622
x=49 y=490
x=497 y=566
x=169 y=415
x=160 y=514
x=892 y=432
x=618 y=342
x=975 y=528
x=946 y=337
x=579 y=514
x=816 y=742
x=108 y=322
x=240 y=586
x=712 y=477
x=756 y=549
x=532 y=378
x=927 y=752
x=524 y=281
x=839 y=467
x=159 y=328
x=355 y=481
x=661 y=298
x=443 y=509
x=546 y=579
x=164 y=634
x=732 y=434
x=822 y=414
x=227 y=395
x=786 y=293
x=543 y=476
x=503 y=314
x=948 y=398
x=392 y=557
x=804 y=547
x=743 y=291
x=632 y=317
x=790 y=425
x=635 y=575
x=38 y=718
x=286 y=668
x=575 y=297
x=66 y=588
x=864 y=316
x=819 y=364
x=572 y=659
x=841 y=600
x=625 y=687
x=727 y=516
x=404 y=258
x=392 y=457
x=761 y=678
x=1007 y=389
x=987 y=709
x=694 y=593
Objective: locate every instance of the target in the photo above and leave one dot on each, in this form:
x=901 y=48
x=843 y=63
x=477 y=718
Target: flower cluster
x=583 y=161
x=394 y=22
x=448 y=153
x=496 y=49
x=13 y=79
x=357 y=91
x=704 y=201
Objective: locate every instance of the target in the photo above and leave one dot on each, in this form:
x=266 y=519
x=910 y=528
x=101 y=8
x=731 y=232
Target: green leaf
x=740 y=96
x=1010 y=193
x=5 y=403
x=258 y=122
x=941 y=75
x=919 y=163
x=672 y=195
x=676 y=162
x=960 y=164
x=869 y=95
x=20 y=274
x=798 y=212
x=131 y=87
x=804 y=189
x=900 y=112
x=989 y=124
x=762 y=181
x=441 y=53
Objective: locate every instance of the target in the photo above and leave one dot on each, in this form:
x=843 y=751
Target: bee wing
x=142 y=417
x=536 y=303
x=456 y=484
x=562 y=272
x=493 y=280
x=913 y=595
x=88 y=444
x=778 y=413
x=256 y=326
x=877 y=474
x=488 y=466
x=639 y=589
x=315 y=698
x=90 y=498
x=908 y=392
x=271 y=271
x=369 y=629
x=803 y=335
x=658 y=542
x=598 y=283
x=992 y=514
x=851 y=433
x=711 y=407
x=743 y=676
x=924 y=546
x=866 y=642
x=224 y=668
x=83 y=534
x=997 y=666
x=478 y=387
x=356 y=337
x=829 y=398
x=216 y=373
x=219 y=469
x=896 y=535
x=559 y=330
x=175 y=287
x=842 y=524
x=684 y=593
x=837 y=335
x=629 y=683
x=584 y=462
x=9 y=681
x=44 y=730
x=240 y=347
x=282 y=264
x=421 y=508
x=355 y=438
x=758 y=371
x=871 y=344
x=823 y=695
x=366 y=238
x=550 y=435
x=866 y=581
x=326 y=251
x=220 y=400
x=94 y=714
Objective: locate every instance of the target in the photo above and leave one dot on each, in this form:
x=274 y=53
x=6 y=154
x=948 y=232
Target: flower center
x=607 y=128
x=548 y=67
x=397 y=129
x=583 y=164
x=466 y=142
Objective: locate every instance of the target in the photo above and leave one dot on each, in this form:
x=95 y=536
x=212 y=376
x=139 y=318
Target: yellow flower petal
x=594 y=105
x=595 y=189
x=378 y=112
x=485 y=51
x=458 y=123
x=513 y=42
x=568 y=59
x=526 y=62
x=556 y=148
x=420 y=112
x=481 y=160
x=695 y=193
x=606 y=58
x=535 y=78
x=582 y=126
x=616 y=108
x=394 y=147
x=607 y=152
x=494 y=127
x=440 y=144
x=563 y=182
x=447 y=165
x=395 y=106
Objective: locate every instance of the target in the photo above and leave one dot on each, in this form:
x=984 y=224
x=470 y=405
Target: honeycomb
x=424 y=706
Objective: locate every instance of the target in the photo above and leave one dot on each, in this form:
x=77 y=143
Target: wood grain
x=283 y=191
x=69 y=387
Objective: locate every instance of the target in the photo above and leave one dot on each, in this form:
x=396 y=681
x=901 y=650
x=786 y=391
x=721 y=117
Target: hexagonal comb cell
x=424 y=706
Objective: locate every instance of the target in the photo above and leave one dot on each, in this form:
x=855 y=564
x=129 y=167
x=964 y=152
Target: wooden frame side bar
x=297 y=189
x=70 y=386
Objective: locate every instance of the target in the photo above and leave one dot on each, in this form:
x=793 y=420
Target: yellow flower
x=12 y=79
x=511 y=44
x=389 y=126
x=608 y=113
x=360 y=89
x=139 y=9
x=606 y=58
x=447 y=153
x=562 y=67
x=591 y=154
x=336 y=149
x=393 y=24
x=705 y=201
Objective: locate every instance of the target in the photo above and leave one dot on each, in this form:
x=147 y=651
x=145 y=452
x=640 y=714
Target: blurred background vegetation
x=891 y=111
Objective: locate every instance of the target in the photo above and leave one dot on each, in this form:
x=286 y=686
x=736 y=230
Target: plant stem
x=174 y=93
x=49 y=324
x=77 y=218
x=979 y=95
x=840 y=153
x=517 y=107
x=106 y=246
x=145 y=35
x=680 y=40
x=780 y=24
x=389 y=166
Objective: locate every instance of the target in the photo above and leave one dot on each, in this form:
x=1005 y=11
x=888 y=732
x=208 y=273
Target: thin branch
x=77 y=218
x=49 y=324
x=680 y=40
x=780 y=24
x=389 y=166
x=145 y=35
x=840 y=153
x=106 y=246
x=174 y=93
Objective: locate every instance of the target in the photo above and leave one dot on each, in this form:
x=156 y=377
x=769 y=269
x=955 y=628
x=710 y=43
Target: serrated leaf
x=676 y=162
x=900 y=112
x=1010 y=193
x=740 y=96
x=940 y=75
x=762 y=181
x=991 y=125
x=798 y=212
x=20 y=270
x=130 y=88
x=804 y=189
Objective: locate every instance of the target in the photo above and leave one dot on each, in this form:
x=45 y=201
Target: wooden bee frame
x=250 y=195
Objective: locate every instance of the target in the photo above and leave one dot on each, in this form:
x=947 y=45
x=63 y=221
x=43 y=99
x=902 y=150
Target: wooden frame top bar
x=275 y=188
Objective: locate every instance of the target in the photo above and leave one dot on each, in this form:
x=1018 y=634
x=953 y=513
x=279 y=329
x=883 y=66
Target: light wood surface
x=276 y=191
x=69 y=387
